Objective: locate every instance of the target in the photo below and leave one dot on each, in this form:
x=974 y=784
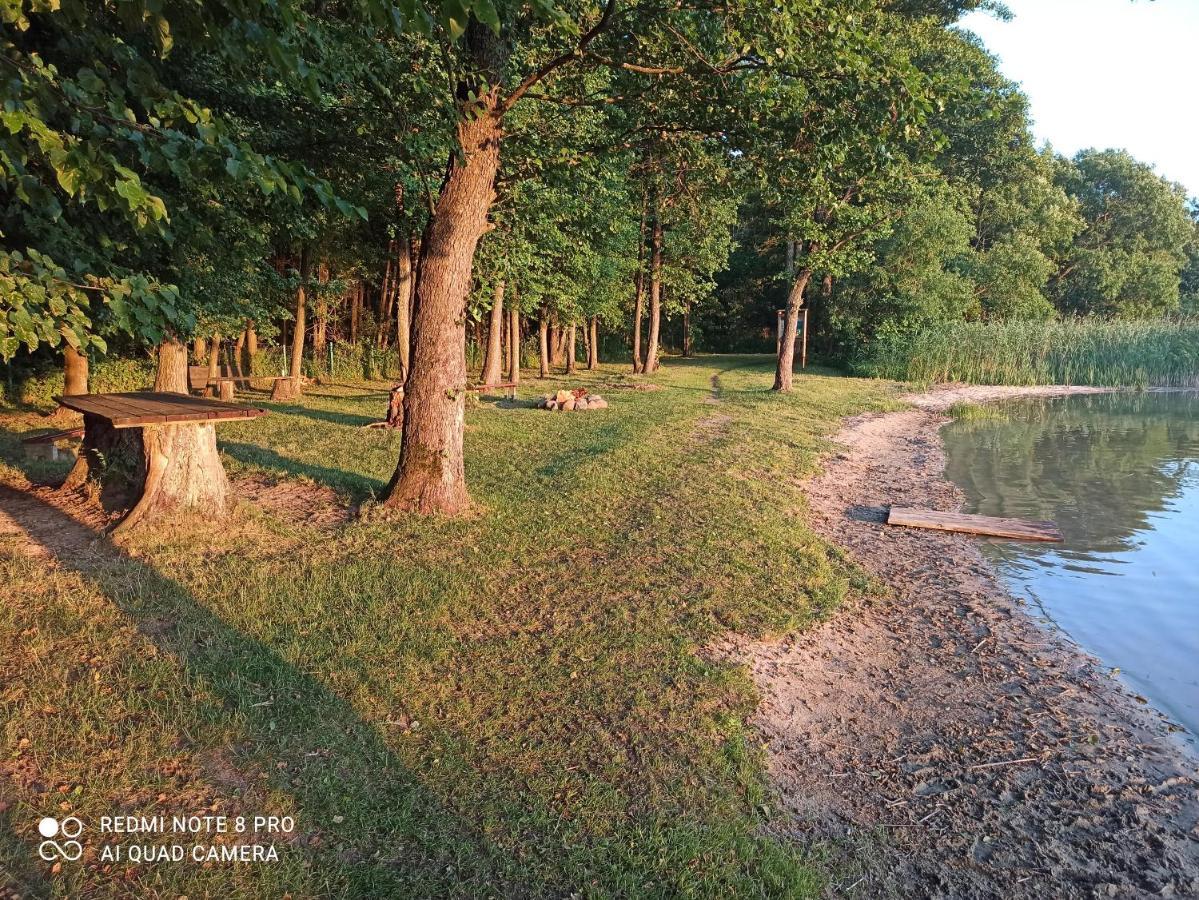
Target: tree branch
x=559 y=61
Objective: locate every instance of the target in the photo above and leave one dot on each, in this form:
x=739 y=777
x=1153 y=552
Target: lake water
x=1119 y=473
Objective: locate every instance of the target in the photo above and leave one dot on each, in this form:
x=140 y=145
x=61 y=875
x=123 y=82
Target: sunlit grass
x=512 y=704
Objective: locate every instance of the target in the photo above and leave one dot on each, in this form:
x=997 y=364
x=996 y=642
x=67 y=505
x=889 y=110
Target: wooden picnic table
x=158 y=449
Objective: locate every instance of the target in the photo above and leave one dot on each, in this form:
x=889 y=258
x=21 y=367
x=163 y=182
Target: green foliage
x=1129 y=258
x=1073 y=351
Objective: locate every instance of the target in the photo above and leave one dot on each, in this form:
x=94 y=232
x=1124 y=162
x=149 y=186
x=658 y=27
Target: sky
x=1107 y=73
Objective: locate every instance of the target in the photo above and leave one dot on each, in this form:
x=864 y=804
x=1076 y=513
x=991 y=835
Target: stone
x=581 y=403
x=597 y=403
x=563 y=396
x=551 y=404
x=569 y=404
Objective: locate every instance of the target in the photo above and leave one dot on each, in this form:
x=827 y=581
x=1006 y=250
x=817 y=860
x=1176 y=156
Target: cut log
x=991 y=526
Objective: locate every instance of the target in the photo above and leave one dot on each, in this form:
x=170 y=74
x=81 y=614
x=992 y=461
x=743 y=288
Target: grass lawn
x=511 y=704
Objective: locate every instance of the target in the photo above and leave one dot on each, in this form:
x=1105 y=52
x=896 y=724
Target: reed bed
x=1109 y=353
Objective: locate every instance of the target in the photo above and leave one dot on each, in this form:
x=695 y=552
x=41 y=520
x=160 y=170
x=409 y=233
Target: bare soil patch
x=302 y=503
x=999 y=759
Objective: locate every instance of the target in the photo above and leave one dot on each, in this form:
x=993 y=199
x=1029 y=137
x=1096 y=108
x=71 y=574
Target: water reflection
x=1120 y=475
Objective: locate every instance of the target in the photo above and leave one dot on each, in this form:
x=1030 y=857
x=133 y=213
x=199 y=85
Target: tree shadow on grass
x=359 y=487
x=397 y=837
x=333 y=417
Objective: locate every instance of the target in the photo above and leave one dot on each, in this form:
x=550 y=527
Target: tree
x=1128 y=260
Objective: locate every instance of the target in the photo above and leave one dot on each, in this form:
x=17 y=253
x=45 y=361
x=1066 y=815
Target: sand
x=992 y=756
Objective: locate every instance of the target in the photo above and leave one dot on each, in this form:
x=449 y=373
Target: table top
x=137 y=408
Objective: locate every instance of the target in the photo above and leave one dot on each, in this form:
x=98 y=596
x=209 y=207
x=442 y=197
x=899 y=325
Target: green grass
x=512 y=704
x=1073 y=351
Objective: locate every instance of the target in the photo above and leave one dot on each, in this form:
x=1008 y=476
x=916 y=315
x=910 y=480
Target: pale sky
x=1107 y=73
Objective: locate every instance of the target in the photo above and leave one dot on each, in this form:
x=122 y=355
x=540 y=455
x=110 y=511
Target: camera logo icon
x=69 y=849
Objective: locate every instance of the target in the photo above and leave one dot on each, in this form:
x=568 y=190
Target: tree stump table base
x=154 y=453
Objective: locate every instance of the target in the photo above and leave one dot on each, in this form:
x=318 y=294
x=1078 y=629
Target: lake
x=1119 y=473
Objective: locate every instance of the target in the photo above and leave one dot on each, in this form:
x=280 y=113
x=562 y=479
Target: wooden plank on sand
x=991 y=526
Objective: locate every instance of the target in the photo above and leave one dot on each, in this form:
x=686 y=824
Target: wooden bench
x=45 y=446
x=509 y=386
x=225 y=381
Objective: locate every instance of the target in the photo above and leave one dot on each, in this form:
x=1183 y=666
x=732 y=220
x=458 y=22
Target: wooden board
x=137 y=408
x=992 y=526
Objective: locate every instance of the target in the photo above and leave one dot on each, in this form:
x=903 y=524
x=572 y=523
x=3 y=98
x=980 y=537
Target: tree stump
x=285 y=389
x=227 y=390
x=152 y=471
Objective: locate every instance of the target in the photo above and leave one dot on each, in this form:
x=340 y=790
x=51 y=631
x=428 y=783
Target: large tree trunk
x=786 y=360
x=593 y=343
x=543 y=344
x=514 y=345
x=431 y=477
x=405 y=284
x=171 y=375
x=493 y=361
x=570 y=349
x=236 y=364
x=251 y=346
x=687 y=330
x=74 y=372
x=655 y=299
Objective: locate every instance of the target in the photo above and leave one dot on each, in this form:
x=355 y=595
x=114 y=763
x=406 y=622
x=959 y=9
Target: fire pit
x=572 y=401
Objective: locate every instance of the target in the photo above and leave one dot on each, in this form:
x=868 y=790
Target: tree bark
x=74 y=372
x=171 y=374
x=655 y=299
x=639 y=295
x=299 y=327
x=786 y=361
x=514 y=345
x=430 y=476
x=570 y=349
x=320 y=323
x=493 y=361
x=214 y=366
x=543 y=344
x=593 y=344
x=405 y=285
x=557 y=343
x=237 y=364
x=356 y=310
x=251 y=346
x=687 y=330
x=200 y=350
x=386 y=292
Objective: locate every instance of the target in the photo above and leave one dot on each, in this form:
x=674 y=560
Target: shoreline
x=996 y=756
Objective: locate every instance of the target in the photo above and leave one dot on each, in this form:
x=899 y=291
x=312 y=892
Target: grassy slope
x=509 y=704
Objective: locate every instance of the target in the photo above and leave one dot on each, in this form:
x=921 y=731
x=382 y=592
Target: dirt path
x=999 y=760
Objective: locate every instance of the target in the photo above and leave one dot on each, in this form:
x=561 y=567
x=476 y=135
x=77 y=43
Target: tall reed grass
x=1070 y=351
